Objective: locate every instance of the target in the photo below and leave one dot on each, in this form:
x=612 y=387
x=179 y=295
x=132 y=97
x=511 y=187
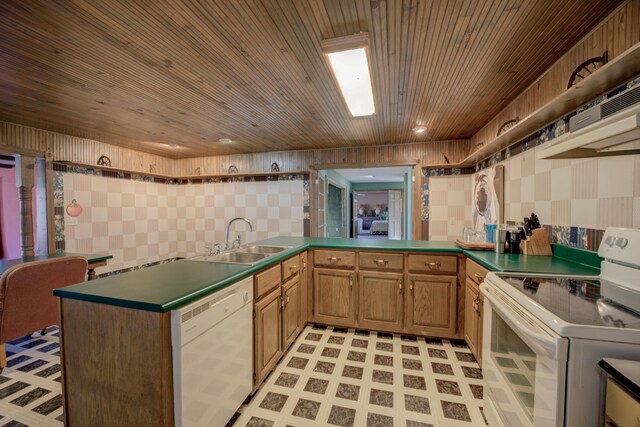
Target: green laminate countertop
x=168 y=286
x=91 y=258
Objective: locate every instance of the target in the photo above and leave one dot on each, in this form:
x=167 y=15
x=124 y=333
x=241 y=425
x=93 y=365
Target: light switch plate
x=71 y=221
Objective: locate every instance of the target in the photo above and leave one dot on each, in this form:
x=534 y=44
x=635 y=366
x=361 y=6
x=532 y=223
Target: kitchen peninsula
x=133 y=310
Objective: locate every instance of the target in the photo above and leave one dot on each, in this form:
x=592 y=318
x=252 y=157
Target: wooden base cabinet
x=334 y=296
x=380 y=300
x=473 y=308
x=473 y=318
x=279 y=312
x=267 y=334
x=291 y=313
x=431 y=305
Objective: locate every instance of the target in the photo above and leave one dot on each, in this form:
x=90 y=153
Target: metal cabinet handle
x=380 y=262
x=411 y=287
x=351 y=282
x=333 y=259
x=400 y=286
x=477 y=276
x=433 y=264
x=293 y=267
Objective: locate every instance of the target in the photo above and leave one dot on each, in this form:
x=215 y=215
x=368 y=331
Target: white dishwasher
x=212 y=346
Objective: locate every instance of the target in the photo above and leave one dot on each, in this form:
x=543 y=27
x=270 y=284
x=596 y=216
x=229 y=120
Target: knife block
x=537 y=243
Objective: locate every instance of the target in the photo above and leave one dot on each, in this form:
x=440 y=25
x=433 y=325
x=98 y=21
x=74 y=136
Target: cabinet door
x=304 y=290
x=471 y=317
x=291 y=311
x=267 y=334
x=480 y=313
x=431 y=305
x=333 y=301
x=380 y=298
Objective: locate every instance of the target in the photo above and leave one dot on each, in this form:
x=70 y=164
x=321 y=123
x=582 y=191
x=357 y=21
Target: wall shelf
x=614 y=73
x=178 y=177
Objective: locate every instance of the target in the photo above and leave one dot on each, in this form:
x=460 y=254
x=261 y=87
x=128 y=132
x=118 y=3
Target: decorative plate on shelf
x=488 y=197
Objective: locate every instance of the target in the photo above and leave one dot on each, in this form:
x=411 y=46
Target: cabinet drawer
x=621 y=407
x=476 y=272
x=433 y=264
x=290 y=267
x=335 y=258
x=267 y=280
x=381 y=260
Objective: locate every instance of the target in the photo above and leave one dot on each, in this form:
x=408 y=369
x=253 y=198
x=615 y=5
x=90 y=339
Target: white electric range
x=544 y=335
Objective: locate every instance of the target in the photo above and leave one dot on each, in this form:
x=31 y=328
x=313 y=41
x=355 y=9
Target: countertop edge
x=481 y=261
x=294 y=249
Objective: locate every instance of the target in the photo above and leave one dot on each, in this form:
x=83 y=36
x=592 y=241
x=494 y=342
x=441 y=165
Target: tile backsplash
x=588 y=193
x=450 y=206
x=575 y=198
x=141 y=221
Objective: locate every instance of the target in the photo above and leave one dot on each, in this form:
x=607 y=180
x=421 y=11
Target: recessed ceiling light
x=348 y=59
x=225 y=141
x=419 y=129
x=367 y=176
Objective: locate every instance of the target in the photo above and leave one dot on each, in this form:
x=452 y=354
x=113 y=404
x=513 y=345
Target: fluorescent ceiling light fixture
x=419 y=129
x=348 y=59
x=367 y=176
x=225 y=141
x=173 y=145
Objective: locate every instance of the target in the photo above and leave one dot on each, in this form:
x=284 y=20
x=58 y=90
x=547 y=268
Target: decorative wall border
x=137 y=267
x=577 y=237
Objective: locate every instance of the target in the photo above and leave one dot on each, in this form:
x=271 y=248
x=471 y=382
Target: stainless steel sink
x=232 y=258
x=264 y=249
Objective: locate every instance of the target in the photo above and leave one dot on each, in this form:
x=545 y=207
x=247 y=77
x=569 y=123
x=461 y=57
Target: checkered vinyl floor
x=335 y=376
x=30 y=387
x=330 y=376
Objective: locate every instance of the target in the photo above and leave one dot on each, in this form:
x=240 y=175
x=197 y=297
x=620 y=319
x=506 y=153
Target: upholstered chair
x=27 y=303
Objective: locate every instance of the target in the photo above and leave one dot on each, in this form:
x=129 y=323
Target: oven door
x=523 y=365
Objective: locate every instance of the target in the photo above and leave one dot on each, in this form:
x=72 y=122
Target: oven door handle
x=545 y=344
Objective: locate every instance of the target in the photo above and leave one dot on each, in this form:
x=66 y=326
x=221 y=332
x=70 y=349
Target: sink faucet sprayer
x=226 y=239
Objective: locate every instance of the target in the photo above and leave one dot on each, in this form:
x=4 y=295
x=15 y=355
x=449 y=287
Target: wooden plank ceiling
x=148 y=74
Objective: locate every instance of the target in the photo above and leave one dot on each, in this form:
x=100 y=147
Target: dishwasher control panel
x=205 y=313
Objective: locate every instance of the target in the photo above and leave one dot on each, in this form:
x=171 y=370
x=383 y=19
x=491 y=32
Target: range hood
x=611 y=128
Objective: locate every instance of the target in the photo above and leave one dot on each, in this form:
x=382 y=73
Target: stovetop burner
x=576 y=301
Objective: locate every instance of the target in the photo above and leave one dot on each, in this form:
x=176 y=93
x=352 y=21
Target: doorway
x=340 y=192
x=336 y=210
x=10 y=208
x=378 y=214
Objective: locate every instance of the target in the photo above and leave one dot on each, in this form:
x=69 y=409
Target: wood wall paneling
x=20 y=139
x=617 y=33
x=426 y=153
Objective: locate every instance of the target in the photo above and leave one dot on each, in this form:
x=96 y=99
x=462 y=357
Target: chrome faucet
x=226 y=239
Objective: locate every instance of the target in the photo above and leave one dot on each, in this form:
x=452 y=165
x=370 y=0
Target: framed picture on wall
x=488 y=197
